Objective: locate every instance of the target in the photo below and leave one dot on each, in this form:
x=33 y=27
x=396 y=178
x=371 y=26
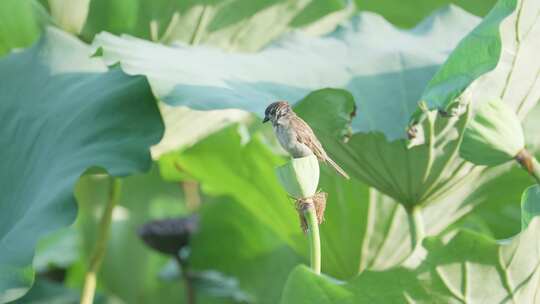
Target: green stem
x=98 y=253
x=191 y=195
x=314 y=237
x=416 y=222
x=189 y=289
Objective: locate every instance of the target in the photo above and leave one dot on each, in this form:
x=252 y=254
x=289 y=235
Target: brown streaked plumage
x=295 y=135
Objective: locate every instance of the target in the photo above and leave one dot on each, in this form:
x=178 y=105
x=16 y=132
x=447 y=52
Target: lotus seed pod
x=493 y=137
x=169 y=236
x=300 y=176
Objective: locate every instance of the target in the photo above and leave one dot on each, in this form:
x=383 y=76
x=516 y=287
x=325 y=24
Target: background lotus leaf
x=109 y=119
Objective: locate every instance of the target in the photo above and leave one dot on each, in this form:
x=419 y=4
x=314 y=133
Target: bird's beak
x=266 y=119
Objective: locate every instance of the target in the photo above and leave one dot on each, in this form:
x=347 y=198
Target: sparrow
x=295 y=135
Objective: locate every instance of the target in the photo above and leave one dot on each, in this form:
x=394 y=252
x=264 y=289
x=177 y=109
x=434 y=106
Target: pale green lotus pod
x=300 y=176
x=494 y=136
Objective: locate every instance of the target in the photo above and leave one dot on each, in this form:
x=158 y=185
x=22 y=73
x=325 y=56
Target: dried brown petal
x=525 y=159
x=302 y=205
x=319 y=200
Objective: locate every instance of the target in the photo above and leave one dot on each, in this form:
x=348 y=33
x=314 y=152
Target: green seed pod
x=300 y=176
x=493 y=137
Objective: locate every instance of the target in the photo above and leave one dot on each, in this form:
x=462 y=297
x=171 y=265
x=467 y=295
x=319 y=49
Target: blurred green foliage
x=409 y=13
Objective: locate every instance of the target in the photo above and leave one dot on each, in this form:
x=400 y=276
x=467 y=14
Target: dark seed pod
x=169 y=235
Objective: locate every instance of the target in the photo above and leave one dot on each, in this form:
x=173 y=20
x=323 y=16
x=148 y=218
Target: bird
x=295 y=135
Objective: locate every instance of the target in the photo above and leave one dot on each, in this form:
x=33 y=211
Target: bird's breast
x=289 y=141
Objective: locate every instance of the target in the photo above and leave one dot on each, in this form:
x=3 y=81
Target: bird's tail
x=337 y=168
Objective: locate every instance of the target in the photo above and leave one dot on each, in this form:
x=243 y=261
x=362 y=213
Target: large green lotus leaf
x=509 y=57
x=385 y=78
x=385 y=68
x=409 y=13
x=530 y=205
x=345 y=227
x=387 y=242
x=230 y=24
x=498 y=210
x=303 y=287
x=48 y=292
x=61 y=113
x=233 y=25
x=486 y=198
x=410 y=175
x=250 y=25
x=57 y=250
x=515 y=263
x=20 y=24
x=222 y=25
x=184 y=127
x=462 y=267
x=531 y=127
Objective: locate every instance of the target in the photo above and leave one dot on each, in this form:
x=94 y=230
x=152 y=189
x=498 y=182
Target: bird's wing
x=305 y=135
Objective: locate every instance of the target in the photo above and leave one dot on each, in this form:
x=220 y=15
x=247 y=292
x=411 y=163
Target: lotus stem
x=529 y=163
x=188 y=280
x=98 y=253
x=188 y=286
x=312 y=221
x=300 y=178
x=191 y=194
x=416 y=222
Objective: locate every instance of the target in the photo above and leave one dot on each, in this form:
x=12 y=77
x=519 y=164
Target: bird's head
x=276 y=110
